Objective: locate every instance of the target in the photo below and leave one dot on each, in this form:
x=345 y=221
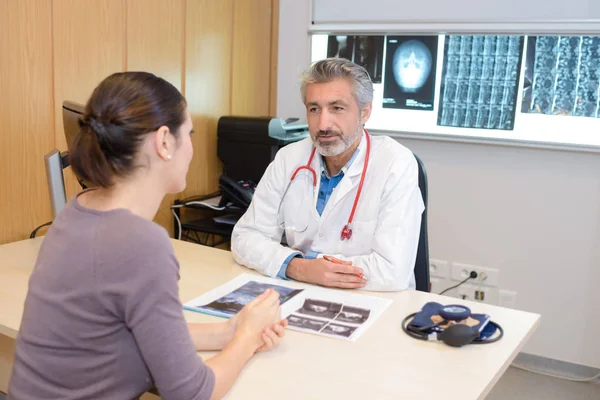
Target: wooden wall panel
x=208 y=85
x=89 y=45
x=155 y=38
x=274 y=54
x=155 y=43
x=220 y=53
x=26 y=119
x=251 y=61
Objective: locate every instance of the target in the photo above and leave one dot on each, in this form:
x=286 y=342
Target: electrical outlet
x=485 y=276
x=477 y=293
x=481 y=294
x=439 y=268
x=507 y=298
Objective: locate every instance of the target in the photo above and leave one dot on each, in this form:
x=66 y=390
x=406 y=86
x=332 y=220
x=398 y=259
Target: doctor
x=342 y=193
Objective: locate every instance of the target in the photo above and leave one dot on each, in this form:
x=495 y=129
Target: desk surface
x=383 y=364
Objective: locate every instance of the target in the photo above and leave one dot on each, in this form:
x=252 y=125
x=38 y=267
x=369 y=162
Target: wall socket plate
x=477 y=293
x=461 y=271
x=439 y=268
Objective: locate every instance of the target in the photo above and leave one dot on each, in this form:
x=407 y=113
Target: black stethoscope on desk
x=346 y=233
x=455 y=335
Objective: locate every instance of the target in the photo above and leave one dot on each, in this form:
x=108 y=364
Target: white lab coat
x=386 y=223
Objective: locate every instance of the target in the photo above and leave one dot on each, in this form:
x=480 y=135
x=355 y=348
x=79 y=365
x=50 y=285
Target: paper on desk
x=229 y=298
x=316 y=310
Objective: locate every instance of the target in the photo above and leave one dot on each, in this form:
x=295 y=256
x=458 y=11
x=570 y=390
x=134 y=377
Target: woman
x=102 y=317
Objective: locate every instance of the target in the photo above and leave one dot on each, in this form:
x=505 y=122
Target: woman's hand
x=272 y=335
x=256 y=322
x=257 y=327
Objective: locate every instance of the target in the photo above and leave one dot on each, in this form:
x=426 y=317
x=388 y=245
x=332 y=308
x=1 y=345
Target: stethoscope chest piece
x=346 y=233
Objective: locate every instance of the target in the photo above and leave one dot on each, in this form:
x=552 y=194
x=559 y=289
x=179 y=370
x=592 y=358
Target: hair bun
x=96 y=125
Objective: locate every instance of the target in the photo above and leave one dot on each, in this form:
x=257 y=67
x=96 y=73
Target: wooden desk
x=383 y=364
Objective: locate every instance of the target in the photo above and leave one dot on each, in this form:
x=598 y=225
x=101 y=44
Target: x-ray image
x=366 y=51
x=528 y=78
x=410 y=72
x=562 y=76
x=479 y=83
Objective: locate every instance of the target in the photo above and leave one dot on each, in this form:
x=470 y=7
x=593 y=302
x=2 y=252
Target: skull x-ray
x=411 y=65
x=366 y=51
x=410 y=72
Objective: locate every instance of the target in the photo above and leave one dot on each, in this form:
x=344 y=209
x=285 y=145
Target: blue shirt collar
x=344 y=168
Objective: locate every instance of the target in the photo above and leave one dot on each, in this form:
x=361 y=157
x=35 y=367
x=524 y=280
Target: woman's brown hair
x=122 y=110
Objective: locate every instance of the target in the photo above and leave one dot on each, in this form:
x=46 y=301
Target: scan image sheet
x=311 y=309
x=410 y=72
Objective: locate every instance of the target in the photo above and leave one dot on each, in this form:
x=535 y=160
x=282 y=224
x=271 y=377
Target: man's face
x=334 y=120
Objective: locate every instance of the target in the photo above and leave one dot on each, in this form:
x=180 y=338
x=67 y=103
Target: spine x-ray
x=479 y=81
x=410 y=69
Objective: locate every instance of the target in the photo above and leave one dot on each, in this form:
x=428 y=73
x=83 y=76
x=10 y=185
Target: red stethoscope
x=347 y=230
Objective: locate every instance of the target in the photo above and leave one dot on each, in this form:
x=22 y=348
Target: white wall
x=533 y=214
x=329 y=11
x=293 y=55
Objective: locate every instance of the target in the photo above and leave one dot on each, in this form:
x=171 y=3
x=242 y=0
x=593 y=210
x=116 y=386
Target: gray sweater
x=102 y=318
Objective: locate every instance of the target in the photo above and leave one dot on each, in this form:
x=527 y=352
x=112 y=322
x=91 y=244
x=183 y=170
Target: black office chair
x=422 y=261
